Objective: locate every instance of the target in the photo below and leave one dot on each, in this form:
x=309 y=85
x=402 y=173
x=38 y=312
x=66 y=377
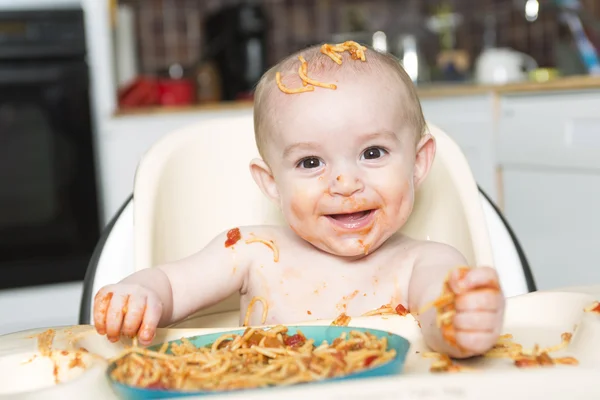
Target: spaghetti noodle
x=251 y=306
x=303 y=71
x=388 y=309
x=269 y=243
x=255 y=358
x=287 y=90
x=44 y=342
x=446 y=309
x=357 y=52
x=593 y=308
x=443 y=363
x=341 y=320
x=536 y=357
x=506 y=348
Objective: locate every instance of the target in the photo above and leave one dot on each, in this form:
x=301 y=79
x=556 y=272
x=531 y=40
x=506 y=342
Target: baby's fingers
x=475 y=278
x=152 y=316
x=101 y=303
x=476 y=343
x=479 y=300
x=476 y=321
x=114 y=316
x=134 y=315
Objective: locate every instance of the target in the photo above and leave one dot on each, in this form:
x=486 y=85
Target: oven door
x=49 y=220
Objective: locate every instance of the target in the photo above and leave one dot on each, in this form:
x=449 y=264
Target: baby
x=344 y=146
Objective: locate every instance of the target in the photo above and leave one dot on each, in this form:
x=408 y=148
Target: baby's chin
x=348 y=248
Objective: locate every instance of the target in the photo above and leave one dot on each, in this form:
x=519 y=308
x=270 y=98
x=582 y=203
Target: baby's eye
x=310 y=162
x=373 y=153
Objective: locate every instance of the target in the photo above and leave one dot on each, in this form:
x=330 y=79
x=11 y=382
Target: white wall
x=103 y=87
x=39 y=306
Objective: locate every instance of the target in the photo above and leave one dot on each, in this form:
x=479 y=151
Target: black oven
x=49 y=217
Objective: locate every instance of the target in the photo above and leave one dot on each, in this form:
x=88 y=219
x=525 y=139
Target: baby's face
x=343 y=162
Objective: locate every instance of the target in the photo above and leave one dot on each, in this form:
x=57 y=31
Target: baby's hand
x=129 y=310
x=479 y=309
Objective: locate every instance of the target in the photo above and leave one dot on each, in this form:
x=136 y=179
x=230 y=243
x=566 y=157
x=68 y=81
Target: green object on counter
x=543 y=74
x=444 y=13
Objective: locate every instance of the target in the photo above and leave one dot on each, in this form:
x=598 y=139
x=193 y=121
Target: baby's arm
x=168 y=293
x=479 y=313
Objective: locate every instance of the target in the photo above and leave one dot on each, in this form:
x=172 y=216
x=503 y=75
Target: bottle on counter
x=208 y=83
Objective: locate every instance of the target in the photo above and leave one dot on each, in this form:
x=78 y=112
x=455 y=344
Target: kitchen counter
x=425 y=92
x=208 y=107
x=558 y=84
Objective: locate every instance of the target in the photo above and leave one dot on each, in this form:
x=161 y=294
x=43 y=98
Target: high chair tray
x=536 y=318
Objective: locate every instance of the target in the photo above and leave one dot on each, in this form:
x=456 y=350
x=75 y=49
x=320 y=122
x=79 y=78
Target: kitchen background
x=87 y=86
x=203 y=42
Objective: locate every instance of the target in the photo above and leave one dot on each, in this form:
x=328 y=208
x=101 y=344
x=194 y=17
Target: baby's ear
x=264 y=179
x=424 y=158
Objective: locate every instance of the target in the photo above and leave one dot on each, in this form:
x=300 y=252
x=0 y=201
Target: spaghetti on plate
x=258 y=357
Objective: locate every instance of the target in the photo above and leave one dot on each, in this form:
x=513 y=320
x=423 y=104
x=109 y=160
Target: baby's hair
x=322 y=68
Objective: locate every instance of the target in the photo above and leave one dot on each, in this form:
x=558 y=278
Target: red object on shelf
x=176 y=92
x=245 y=96
x=140 y=92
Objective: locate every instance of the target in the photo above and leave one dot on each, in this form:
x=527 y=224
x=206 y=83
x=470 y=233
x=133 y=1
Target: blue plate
x=318 y=333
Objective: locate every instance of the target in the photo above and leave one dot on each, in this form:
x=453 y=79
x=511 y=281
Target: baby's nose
x=345 y=185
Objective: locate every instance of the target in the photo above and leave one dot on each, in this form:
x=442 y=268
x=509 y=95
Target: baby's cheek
x=399 y=197
x=297 y=208
x=297 y=211
x=301 y=202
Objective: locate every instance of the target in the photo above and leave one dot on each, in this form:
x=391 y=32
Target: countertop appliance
x=49 y=217
x=498 y=66
x=236 y=38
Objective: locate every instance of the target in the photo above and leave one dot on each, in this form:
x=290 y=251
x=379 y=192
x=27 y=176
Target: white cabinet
x=469 y=120
x=39 y=306
x=558 y=130
x=549 y=149
x=556 y=216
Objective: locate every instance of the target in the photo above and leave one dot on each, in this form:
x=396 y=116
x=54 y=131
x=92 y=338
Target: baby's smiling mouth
x=352 y=221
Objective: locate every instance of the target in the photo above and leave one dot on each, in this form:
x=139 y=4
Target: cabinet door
x=555 y=216
x=552 y=129
x=469 y=121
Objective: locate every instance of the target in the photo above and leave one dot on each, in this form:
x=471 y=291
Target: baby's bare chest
x=305 y=286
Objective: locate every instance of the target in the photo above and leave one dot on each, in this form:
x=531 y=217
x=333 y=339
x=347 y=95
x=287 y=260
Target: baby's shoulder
x=273 y=238
x=427 y=249
x=265 y=232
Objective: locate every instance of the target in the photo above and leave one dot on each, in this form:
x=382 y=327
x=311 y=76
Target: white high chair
x=195 y=183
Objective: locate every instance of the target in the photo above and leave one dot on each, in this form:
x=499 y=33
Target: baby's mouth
x=352 y=221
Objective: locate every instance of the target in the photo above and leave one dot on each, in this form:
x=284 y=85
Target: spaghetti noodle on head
x=272 y=90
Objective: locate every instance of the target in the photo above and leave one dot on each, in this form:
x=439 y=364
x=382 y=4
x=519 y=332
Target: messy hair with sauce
x=323 y=68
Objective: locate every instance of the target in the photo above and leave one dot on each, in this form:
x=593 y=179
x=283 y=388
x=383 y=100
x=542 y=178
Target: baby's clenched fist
x=479 y=304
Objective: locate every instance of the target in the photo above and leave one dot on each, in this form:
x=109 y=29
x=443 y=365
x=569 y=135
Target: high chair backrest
x=195 y=183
